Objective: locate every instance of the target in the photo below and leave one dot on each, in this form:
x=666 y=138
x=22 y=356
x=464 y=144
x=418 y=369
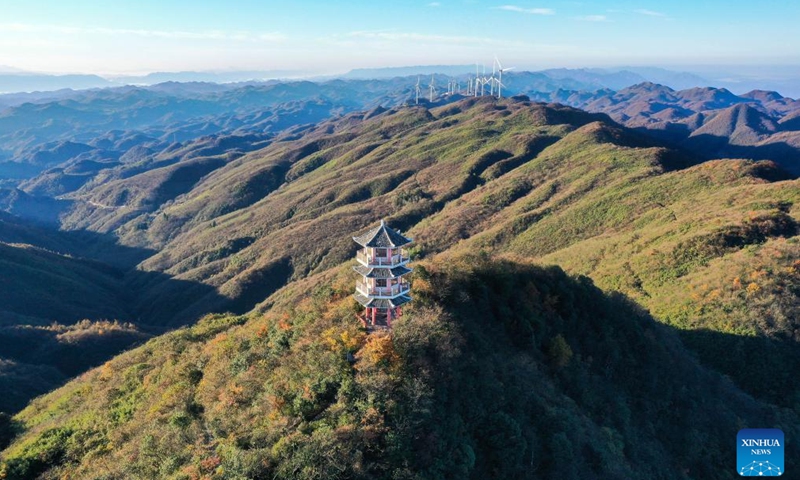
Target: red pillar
x=374 y=312
x=389 y=317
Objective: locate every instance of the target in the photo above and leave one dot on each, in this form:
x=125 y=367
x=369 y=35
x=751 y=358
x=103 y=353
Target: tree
x=560 y=352
x=7 y=430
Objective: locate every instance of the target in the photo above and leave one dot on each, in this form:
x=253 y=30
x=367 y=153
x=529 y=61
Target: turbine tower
x=417 y=91
x=477 y=78
x=492 y=80
x=432 y=89
x=500 y=71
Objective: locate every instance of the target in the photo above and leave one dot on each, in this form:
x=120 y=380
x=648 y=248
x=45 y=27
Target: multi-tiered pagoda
x=382 y=289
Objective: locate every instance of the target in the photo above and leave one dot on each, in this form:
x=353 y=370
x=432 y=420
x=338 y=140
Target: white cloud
x=32 y=43
x=650 y=13
x=271 y=37
x=421 y=37
x=529 y=11
x=172 y=34
x=387 y=39
x=434 y=4
x=593 y=18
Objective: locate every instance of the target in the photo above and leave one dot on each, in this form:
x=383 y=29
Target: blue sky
x=123 y=37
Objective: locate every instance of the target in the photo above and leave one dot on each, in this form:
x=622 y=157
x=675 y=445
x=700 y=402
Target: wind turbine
x=500 y=70
x=432 y=89
x=417 y=91
x=477 y=78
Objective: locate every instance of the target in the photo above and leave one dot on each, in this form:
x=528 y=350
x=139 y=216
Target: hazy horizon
x=763 y=70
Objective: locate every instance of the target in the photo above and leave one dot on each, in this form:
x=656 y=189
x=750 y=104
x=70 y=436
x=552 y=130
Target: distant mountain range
x=17 y=81
x=785 y=80
x=79 y=133
x=390 y=72
x=213 y=77
x=29 y=82
x=102 y=125
x=711 y=122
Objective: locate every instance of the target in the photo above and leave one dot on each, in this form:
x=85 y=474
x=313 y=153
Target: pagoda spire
x=382 y=289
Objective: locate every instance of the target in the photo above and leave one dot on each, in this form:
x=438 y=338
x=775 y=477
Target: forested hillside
x=500 y=370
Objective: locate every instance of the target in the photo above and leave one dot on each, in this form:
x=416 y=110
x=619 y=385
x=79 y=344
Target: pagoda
x=382 y=290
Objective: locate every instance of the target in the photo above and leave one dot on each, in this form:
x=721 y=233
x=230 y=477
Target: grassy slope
x=288 y=210
x=714 y=247
x=711 y=247
x=477 y=381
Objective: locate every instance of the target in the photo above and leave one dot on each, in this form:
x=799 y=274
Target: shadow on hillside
x=763 y=367
x=709 y=147
x=39 y=209
x=153 y=302
x=606 y=354
x=783 y=154
x=8 y=430
x=104 y=249
x=76 y=243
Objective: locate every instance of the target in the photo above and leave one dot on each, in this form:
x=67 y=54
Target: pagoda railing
x=375 y=261
x=388 y=291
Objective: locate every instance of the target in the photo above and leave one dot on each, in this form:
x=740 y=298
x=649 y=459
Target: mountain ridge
x=711 y=122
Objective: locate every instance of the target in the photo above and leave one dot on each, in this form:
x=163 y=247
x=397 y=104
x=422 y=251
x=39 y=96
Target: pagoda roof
x=382 y=237
x=382 y=272
x=382 y=302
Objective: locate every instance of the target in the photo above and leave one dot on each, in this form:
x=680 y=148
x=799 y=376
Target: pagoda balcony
x=370 y=260
x=389 y=291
